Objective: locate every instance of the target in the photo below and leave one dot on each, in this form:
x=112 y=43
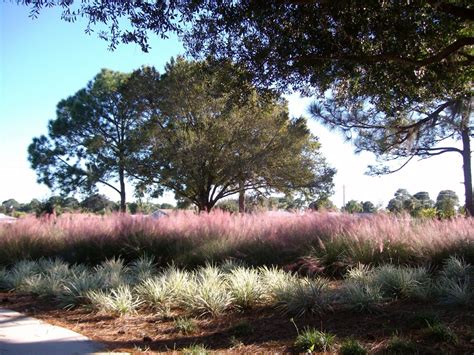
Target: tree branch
x=391 y=57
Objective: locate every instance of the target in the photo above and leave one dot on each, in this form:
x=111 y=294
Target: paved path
x=22 y=335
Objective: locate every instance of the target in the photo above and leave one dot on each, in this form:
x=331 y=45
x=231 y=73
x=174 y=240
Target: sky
x=45 y=60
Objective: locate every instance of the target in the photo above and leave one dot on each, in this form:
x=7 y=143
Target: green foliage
x=245 y=286
x=98 y=203
x=230 y=135
x=446 y=204
x=440 y=332
x=310 y=340
x=91 y=138
x=400 y=345
x=207 y=293
x=303 y=296
x=363 y=296
x=195 y=349
x=353 y=207
x=352 y=347
x=119 y=301
x=185 y=325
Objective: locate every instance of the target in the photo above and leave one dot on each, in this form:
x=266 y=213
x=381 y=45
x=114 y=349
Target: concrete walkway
x=21 y=335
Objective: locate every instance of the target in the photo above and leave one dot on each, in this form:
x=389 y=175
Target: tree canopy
x=91 y=138
x=212 y=135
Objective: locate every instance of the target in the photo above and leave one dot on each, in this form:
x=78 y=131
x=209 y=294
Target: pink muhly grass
x=186 y=236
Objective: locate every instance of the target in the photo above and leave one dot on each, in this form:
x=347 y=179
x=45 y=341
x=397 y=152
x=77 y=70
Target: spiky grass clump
x=352 y=347
x=185 y=325
x=208 y=292
x=142 y=268
x=456 y=282
x=113 y=273
x=401 y=282
x=156 y=293
x=3 y=278
x=119 y=301
x=363 y=296
x=303 y=296
x=440 y=332
x=195 y=349
x=18 y=276
x=310 y=340
x=273 y=281
x=400 y=345
x=75 y=290
x=246 y=287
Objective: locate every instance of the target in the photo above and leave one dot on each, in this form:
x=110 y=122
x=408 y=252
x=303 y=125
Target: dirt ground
x=255 y=331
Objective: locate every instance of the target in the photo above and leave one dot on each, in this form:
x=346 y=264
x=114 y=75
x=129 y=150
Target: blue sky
x=45 y=60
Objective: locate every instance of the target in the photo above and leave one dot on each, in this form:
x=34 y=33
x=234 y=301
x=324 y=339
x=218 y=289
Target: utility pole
x=343 y=195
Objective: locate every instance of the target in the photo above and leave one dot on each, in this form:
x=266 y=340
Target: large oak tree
x=211 y=135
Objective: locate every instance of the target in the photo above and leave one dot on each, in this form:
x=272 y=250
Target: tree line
x=394 y=76
x=200 y=129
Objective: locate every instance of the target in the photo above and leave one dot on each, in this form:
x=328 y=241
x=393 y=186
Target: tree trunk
x=123 y=202
x=466 y=159
x=241 y=197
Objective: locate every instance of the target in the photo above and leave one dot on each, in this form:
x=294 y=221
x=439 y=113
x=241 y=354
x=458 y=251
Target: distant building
x=6 y=219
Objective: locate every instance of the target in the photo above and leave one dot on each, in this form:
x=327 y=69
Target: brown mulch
x=261 y=330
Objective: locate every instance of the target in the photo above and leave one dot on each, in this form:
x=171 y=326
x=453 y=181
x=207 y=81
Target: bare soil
x=255 y=331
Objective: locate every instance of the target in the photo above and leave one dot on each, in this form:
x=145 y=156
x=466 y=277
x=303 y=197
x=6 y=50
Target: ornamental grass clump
x=246 y=287
x=303 y=296
x=142 y=268
x=208 y=292
x=156 y=293
x=311 y=340
x=18 y=276
x=401 y=282
x=119 y=301
x=273 y=281
x=113 y=273
x=75 y=290
x=455 y=284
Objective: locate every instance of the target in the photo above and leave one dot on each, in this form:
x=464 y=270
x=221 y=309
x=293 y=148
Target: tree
x=368 y=207
x=91 y=138
x=410 y=60
x=446 y=204
x=422 y=129
x=212 y=135
x=353 y=206
x=11 y=205
x=98 y=203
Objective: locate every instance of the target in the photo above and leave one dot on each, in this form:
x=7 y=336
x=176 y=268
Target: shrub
x=352 y=347
x=75 y=290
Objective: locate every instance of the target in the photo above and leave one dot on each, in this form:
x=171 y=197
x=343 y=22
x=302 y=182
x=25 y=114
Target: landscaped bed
x=138 y=307
x=252 y=283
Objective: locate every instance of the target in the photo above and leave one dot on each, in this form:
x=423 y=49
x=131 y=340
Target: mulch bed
x=259 y=330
